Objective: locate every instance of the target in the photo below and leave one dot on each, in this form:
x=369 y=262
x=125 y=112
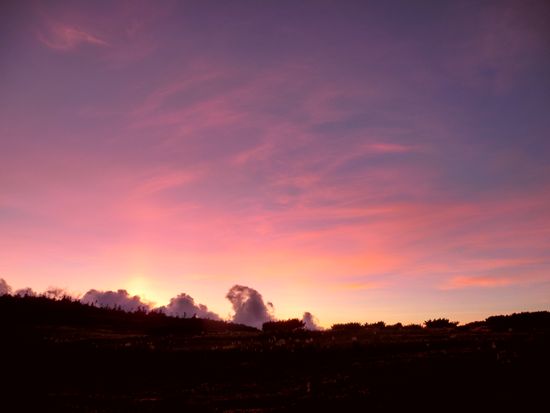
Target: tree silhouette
x=347 y=327
x=440 y=323
x=283 y=326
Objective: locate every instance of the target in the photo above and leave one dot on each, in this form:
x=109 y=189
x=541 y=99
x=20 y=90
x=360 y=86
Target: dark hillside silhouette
x=64 y=356
x=520 y=321
x=34 y=311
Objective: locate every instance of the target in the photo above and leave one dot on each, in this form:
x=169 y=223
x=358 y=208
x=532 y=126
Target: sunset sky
x=361 y=160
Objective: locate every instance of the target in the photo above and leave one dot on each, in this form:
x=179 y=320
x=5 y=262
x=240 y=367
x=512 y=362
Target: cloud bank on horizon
x=4 y=287
x=368 y=156
x=248 y=305
x=114 y=299
x=184 y=305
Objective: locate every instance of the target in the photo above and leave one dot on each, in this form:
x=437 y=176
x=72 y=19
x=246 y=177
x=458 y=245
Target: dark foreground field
x=65 y=357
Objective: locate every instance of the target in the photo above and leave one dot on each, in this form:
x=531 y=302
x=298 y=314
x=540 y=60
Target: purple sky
x=359 y=160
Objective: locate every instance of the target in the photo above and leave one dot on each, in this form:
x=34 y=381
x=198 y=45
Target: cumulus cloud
x=184 y=306
x=25 y=292
x=4 y=287
x=249 y=306
x=56 y=293
x=310 y=322
x=114 y=299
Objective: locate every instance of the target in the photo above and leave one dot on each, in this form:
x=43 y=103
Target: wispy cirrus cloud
x=166 y=179
x=314 y=155
x=120 y=32
x=504 y=41
x=65 y=38
x=478 y=282
x=384 y=147
x=362 y=286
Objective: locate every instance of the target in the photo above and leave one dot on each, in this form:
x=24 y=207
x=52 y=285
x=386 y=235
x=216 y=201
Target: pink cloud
x=383 y=147
x=503 y=41
x=122 y=33
x=307 y=169
x=165 y=179
x=361 y=286
x=65 y=38
x=478 y=281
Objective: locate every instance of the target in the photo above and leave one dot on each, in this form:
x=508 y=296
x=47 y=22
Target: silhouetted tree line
x=20 y=311
x=347 y=327
x=440 y=323
x=379 y=325
x=16 y=311
x=519 y=321
x=283 y=326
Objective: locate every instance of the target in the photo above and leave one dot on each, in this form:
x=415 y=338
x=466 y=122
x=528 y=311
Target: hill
x=31 y=311
x=63 y=356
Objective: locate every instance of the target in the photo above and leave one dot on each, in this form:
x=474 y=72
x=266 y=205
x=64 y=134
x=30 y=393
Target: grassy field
x=65 y=357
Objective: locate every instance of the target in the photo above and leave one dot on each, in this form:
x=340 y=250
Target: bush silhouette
x=283 y=326
x=440 y=323
x=413 y=327
x=346 y=327
x=519 y=321
x=380 y=325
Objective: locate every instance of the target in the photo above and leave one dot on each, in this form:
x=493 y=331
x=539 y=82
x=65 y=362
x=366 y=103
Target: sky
x=361 y=160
